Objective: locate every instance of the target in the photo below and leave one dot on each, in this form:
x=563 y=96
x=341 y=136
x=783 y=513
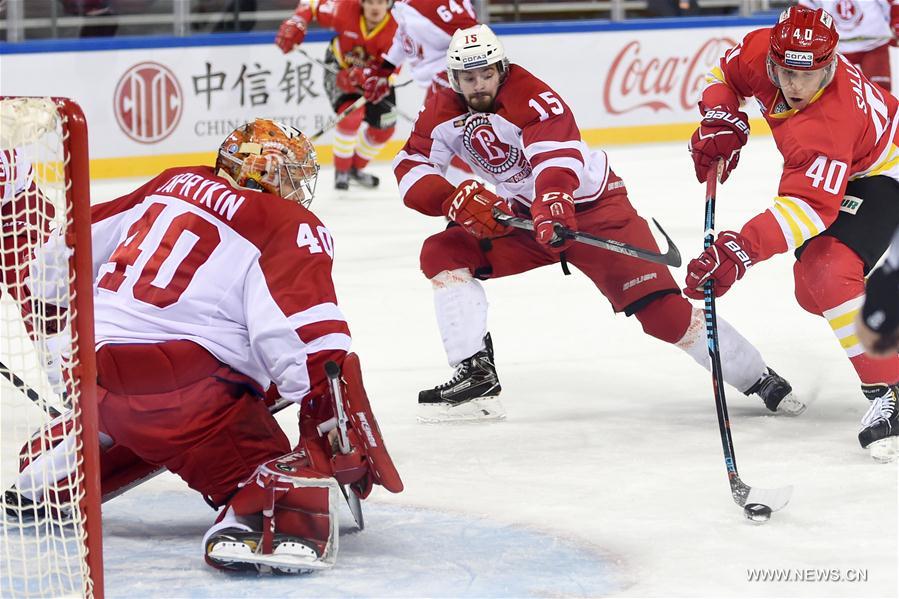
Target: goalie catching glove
x=471 y=206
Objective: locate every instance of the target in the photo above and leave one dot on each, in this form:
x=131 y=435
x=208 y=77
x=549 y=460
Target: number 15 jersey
x=849 y=130
x=246 y=275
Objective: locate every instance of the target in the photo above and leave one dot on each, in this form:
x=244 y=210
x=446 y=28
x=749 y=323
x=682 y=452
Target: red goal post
x=51 y=532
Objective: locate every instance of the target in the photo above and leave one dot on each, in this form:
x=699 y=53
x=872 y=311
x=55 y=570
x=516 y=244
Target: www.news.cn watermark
x=807 y=574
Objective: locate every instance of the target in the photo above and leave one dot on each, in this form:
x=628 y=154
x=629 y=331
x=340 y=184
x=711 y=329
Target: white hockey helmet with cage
x=474 y=48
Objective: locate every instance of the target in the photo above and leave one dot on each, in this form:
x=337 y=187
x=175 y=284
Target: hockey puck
x=756 y=512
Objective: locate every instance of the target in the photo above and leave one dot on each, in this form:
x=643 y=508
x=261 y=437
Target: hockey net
x=50 y=537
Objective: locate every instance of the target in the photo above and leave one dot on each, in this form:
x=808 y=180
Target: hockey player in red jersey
x=867 y=28
x=518 y=134
x=211 y=285
x=365 y=31
x=838 y=198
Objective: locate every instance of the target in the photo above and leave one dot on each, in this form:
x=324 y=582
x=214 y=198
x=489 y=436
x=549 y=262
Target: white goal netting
x=44 y=533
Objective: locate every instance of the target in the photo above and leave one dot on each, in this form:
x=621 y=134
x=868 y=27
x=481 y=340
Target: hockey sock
x=368 y=143
x=461 y=307
x=345 y=138
x=830 y=282
x=741 y=362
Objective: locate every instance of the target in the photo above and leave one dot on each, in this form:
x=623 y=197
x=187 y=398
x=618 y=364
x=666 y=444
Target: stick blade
x=776 y=499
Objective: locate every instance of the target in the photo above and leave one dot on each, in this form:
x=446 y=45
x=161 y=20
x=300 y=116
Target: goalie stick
x=332 y=370
x=743 y=494
x=669 y=258
x=30 y=393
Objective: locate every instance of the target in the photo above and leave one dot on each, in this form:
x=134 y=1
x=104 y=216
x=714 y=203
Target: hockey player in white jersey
x=519 y=135
x=867 y=28
x=211 y=286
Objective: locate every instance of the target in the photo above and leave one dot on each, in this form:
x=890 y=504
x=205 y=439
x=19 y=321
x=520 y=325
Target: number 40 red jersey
x=849 y=130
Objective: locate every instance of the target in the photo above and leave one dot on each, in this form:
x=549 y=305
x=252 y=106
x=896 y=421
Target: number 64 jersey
x=849 y=130
x=244 y=274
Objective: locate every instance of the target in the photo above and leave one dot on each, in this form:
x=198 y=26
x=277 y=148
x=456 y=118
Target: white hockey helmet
x=474 y=48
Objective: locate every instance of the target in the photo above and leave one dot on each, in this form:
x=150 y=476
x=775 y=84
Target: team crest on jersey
x=491 y=154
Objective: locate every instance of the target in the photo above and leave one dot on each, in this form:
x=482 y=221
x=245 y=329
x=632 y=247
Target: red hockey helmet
x=803 y=40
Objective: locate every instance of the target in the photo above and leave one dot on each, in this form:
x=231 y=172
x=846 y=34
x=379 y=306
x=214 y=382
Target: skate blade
x=791 y=406
x=287 y=558
x=884 y=451
x=482 y=409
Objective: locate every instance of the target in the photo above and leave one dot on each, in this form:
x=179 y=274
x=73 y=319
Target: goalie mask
x=269 y=156
x=474 y=48
x=803 y=41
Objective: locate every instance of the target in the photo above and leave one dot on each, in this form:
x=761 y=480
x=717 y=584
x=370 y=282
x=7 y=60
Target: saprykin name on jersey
x=218 y=197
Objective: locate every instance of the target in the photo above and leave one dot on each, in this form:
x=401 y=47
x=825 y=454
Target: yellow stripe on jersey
x=799 y=211
x=795 y=237
x=798 y=221
x=842 y=321
x=716 y=75
x=888 y=163
x=849 y=341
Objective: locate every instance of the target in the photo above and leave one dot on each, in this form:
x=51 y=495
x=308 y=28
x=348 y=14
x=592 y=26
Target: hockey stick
x=342 y=115
x=30 y=393
x=757 y=503
x=334 y=71
x=332 y=370
x=669 y=258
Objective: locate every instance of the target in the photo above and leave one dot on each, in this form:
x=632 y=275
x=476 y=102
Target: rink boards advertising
x=155 y=102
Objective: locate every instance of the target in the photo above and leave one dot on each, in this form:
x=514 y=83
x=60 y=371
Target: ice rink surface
x=607 y=478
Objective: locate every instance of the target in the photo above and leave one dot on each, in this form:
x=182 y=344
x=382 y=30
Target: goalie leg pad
x=284 y=518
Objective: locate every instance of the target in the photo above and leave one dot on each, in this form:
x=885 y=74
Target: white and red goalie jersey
x=849 y=130
x=424 y=30
x=244 y=274
x=862 y=24
x=528 y=146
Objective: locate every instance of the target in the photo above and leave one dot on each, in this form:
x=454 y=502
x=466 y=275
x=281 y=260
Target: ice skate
x=239 y=550
x=364 y=179
x=880 y=424
x=341 y=180
x=470 y=395
x=777 y=393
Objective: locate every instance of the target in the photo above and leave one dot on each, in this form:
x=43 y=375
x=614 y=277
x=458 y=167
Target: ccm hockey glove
x=721 y=135
x=725 y=262
x=551 y=209
x=471 y=206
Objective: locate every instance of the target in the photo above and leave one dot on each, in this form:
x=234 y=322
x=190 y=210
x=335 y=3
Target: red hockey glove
x=471 y=206
x=350 y=80
x=376 y=86
x=725 y=262
x=552 y=209
x=721 y=134
x=291 y=33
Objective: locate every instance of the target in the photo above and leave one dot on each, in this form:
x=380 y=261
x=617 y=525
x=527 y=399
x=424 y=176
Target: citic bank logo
x=148 y=102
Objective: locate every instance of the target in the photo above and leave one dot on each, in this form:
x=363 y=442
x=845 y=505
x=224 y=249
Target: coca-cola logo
x=484 y=146
x=665 y=82
x=148 y=102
